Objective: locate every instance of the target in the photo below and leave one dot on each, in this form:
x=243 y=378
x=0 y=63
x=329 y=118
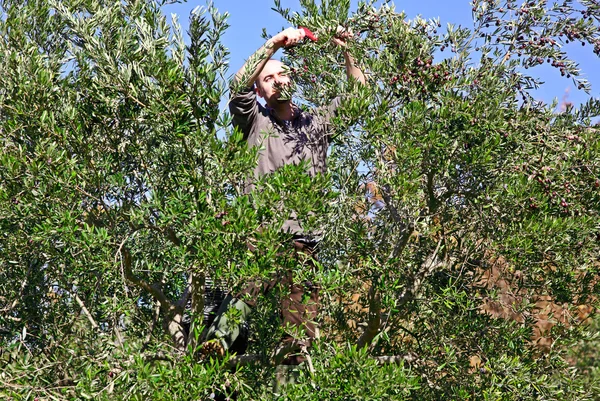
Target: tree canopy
x=460 y=216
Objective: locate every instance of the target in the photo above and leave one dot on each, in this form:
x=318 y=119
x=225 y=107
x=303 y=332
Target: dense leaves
x=461 y=243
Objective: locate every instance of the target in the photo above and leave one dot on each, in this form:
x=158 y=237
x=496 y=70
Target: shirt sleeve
x=244 y=109
x=326 y=114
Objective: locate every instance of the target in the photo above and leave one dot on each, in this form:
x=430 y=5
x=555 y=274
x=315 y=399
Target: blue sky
x=249 y=17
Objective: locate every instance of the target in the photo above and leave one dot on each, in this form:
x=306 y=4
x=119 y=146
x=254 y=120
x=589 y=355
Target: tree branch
x=153 y=290
x=418 y=277
x=86 y=312
x=174 y=313
x=196 y=285
x=432 y=203
x=398 y=219
x=168 y=231
x=374 y=321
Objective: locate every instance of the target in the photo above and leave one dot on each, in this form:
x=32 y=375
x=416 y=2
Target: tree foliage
x=459 y=215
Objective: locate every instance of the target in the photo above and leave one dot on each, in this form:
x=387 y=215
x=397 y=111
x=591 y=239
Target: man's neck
x=284 y=111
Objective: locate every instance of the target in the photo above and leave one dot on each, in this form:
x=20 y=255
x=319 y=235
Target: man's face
x=270 y=82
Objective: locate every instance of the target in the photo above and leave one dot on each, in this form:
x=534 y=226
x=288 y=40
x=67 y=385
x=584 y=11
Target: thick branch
x=174 y=313
x=374 y=321
x=388 y=204
x=153 y=290
x=168 y=231
x=196 y=284
x=86 y=312
x=432 y=202
x=418 y=277
x=407 y=230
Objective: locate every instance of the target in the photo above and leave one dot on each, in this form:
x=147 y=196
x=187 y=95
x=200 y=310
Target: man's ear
x=258 y=92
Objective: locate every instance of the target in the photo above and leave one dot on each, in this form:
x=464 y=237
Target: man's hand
x=288 y=37
x=341 y=39
x=342 y=36
x=247 y=75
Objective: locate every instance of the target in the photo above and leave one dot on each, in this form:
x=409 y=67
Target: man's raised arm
x=250 y=71
x=352 y=71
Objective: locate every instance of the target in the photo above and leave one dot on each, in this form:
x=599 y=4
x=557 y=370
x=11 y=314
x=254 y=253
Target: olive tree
x=457 y=216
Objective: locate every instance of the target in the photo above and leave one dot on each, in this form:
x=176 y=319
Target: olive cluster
x=421 y=74
x=560 y=194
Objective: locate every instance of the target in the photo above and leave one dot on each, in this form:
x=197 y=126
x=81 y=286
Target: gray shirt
x=305 y=138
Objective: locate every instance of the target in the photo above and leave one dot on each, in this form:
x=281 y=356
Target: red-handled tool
x=308 y=33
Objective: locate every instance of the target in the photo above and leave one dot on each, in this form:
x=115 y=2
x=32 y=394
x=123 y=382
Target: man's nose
x=281 y=80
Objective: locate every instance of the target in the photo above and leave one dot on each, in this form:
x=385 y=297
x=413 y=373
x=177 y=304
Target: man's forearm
x=352 y=71
x=252 y=68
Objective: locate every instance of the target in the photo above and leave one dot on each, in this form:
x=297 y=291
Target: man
x=285 y=135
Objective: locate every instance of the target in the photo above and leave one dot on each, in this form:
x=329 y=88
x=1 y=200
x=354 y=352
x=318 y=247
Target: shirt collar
x=285 y=123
